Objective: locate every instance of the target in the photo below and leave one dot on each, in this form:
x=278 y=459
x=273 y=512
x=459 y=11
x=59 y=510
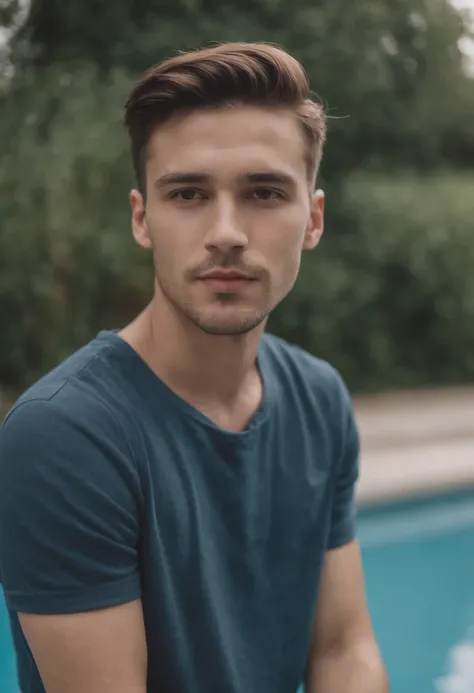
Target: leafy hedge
x=388 y=297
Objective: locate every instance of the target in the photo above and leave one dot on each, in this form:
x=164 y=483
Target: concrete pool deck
x=415 y=443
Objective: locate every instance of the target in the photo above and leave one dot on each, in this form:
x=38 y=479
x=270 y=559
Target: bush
x=388 y=298
x=67 y=260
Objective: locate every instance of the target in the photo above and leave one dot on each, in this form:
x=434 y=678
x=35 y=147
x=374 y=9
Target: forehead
x=228 y=142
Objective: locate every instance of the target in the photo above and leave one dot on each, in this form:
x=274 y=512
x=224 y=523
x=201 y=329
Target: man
x=176 y=504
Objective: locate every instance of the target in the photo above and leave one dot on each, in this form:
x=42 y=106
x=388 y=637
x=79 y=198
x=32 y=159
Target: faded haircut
x=226 y=74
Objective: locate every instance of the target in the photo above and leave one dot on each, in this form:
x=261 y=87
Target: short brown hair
x=260 y=74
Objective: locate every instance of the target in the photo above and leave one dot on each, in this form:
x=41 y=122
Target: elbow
x=370 y=665
x=356 y=667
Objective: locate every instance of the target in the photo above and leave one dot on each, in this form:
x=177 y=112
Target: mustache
x=227 y=263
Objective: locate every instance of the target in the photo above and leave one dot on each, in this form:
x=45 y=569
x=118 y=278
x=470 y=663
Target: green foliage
x=67 y=261
x=390 y=72
x=388 y=297
x=391 y=303
x=9 y=10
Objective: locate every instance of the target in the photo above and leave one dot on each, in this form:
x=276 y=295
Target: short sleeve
x=343 y=512
x=69 y=510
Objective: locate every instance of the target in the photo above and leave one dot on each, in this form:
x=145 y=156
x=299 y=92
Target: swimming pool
x=419 y=565
x=7 y=662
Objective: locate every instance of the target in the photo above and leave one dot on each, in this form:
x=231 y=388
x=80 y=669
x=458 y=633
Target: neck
x=200 y=367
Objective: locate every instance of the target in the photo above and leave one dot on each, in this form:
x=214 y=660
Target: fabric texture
x=113 y=488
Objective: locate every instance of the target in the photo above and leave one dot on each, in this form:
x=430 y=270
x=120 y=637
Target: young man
x=176 y=499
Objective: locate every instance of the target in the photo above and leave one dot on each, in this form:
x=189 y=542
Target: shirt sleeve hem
x=345 y=535
x=86 y=599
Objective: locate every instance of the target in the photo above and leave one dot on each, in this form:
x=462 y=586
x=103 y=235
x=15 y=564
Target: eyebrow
x=187 y=178
x=270 y=177
x=179 y=178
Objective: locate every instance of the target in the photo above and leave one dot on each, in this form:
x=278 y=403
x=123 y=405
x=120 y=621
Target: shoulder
x=316 y=394
x=71 y=453
x=50 y=412
x=70 y=495
x=67 y=419
x=76 y=395
x=298 y=369
x=80 y=372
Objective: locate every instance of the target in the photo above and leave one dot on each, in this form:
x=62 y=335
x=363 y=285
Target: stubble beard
x=216 y=325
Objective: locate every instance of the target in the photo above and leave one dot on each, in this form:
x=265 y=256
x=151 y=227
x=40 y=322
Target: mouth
x=223 y=281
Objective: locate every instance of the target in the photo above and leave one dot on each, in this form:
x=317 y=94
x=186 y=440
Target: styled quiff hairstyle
x=226 y=74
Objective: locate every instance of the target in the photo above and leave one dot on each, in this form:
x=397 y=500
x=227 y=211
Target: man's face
x=229 y=210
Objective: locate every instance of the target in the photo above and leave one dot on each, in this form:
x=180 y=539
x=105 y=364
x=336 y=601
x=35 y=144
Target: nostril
x=226 y=237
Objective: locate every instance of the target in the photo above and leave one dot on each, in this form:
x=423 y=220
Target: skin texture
x=344 y=655
x=228 y=190
x=230 y=210
x=225 y=220
x=101 y=651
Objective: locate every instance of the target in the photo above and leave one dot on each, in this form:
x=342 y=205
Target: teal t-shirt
x=113 y=488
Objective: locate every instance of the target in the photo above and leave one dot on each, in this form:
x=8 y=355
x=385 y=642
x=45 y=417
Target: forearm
x=358 y=669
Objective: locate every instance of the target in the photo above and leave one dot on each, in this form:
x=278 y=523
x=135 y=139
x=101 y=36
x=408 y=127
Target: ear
x=315 y=227
x=139 y=223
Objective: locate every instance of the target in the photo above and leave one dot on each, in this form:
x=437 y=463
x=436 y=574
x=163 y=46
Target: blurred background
x=388 y=297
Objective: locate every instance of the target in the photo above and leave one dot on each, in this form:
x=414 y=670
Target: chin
x=228 y=325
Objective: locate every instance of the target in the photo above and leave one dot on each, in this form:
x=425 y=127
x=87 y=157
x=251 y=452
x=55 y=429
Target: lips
x=221 y=281
x=225 y=275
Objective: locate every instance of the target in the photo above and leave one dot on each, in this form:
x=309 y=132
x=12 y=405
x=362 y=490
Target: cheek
x=290 y=246
x=165 y=252
x=174 y=253
x=292 y=263
x=288 y=239
x=285 y=260
x=167 y=241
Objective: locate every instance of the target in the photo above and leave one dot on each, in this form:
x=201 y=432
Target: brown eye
x=267 y=195
x=187 y=195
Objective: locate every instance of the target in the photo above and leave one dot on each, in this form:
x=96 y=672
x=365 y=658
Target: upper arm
x=99 y=651
x=69 y=531
x=342 y=609
x=343 y=510
x=342 y=615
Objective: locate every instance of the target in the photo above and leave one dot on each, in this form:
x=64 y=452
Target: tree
x=380 y=66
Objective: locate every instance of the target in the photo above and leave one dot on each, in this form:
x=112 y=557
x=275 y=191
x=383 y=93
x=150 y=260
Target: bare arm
x=100 y=651
x=69 y=532
x=344 y=656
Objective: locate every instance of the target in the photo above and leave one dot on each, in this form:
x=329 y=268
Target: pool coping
x=415 y=443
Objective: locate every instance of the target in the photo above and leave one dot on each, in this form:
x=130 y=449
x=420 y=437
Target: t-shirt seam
x=111 y=413
x=30 y=400
x=69 y=380
x=107 y=347
x=74 y=593
x=49 y=398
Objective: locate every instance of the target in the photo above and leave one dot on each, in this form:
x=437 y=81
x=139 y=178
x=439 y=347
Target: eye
x=267 y=194
x=186 y=195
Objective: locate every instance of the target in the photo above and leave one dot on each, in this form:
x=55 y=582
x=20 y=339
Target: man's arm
x=69 y=535
x=344 y=656
x=101 y=651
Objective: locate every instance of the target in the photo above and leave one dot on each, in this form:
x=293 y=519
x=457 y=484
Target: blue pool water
x=419 y=566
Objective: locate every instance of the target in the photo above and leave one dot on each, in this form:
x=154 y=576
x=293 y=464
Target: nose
x=226 y=231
